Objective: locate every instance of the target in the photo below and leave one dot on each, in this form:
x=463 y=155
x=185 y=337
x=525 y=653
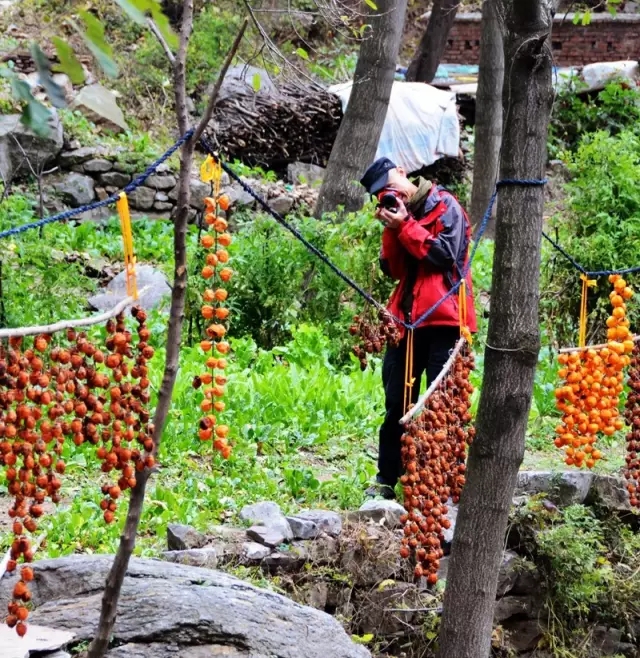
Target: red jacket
x=426 y=256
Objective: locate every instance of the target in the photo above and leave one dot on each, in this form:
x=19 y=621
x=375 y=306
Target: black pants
x=431 y=349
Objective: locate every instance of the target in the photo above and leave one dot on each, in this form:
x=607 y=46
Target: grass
x=304 y=426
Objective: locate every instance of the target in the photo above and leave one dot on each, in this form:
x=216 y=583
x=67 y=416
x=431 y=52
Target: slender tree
x=357 y=140
x=432 y=45
x=513 y=340
x=488 y=129
x=118 y=570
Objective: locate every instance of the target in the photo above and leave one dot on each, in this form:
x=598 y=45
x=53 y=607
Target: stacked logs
x=272 y=128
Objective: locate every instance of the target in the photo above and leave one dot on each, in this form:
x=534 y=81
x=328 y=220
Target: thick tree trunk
x=513 y=340
x=488 y=131
x=427 y=58
x=357 y=141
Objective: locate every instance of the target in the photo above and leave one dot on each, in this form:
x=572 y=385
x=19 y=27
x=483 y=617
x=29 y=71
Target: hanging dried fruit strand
x=589 y=397
x=373 y=335
x=213 y=310
x=63 y=388
x=632 y=416
x=434 y=450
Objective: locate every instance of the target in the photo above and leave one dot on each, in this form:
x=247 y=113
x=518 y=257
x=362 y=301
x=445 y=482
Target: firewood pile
x=272 y=127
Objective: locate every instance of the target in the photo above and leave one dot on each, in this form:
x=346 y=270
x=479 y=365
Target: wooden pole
x=567 y=350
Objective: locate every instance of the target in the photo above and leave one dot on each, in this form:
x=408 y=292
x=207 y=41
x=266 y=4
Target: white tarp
x=421 y=125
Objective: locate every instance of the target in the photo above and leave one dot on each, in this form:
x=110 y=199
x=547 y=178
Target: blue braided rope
x=566 y=254
x=73 y=212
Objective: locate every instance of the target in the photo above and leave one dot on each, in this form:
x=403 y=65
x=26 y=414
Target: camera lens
x=389 y=201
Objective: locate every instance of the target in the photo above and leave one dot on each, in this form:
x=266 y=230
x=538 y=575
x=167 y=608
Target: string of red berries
x=632 y=416
x=434 y=454
x=214 y=310
x=373 y=335
x=58 y=390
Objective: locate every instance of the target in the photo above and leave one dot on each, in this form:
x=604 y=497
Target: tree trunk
x=488 y=130
x=357 y=140
x=427 y=58
x=513 y=340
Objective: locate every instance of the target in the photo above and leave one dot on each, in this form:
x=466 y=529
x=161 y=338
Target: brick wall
x=606 y=39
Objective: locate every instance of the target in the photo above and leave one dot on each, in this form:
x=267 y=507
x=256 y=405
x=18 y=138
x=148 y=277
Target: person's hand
x=391 y=219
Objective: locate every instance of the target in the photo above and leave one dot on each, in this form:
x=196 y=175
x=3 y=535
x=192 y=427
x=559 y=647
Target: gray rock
x=77 y=156
x=611 y=493
x=99 y=105
x=199 y=191
x=318 y=595
x=226 y=532
x=115 y=178
x=302 y=173
x=238 y=196
x=523 y=634
x=254 y=552
x=21 y=147
x=303 y=528
x=75 y=189
x=157 y=600
x=162 y=206
x=282 y=204
x=184 y=537
x=508 y=574
x=327 y=521
x=265 y=535
x=290 y=560
x=267 y=514
x=101 y=193
x=154 y=282
x=78 y=168
x=38 y=639
x=528 y=581
x=377 y=510
x=321 y=551
x=565 y=488
x=510 y=606
x=161 y=196
x=444 y=567
x=161 y=182
x=142 y=198
x=194 y=557
x=608 y=642
x=97 y=166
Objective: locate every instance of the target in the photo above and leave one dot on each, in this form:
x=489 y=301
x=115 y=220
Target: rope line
x=350 y=282
x=130 y=187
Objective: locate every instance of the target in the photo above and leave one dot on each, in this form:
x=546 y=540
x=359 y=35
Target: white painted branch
x=71 y=324
x=419 y=405
x=567 y=350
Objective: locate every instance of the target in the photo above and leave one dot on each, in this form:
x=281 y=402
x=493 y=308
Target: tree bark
x=513 y=340
x=426 y=60
x=488 y=130
x=357 y=140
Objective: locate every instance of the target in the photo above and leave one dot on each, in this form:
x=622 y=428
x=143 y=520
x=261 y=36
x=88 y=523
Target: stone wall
x=88 y=174
x=606 y=39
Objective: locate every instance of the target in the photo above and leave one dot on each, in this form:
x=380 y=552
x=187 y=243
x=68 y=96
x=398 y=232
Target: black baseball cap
x=377 y=175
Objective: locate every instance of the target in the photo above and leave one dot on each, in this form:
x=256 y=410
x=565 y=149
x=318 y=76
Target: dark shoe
x=378 y=490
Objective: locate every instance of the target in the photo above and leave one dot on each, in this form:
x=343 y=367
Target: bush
x=613 y=109
x=601 y=228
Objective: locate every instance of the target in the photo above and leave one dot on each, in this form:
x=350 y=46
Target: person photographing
x=425 y=247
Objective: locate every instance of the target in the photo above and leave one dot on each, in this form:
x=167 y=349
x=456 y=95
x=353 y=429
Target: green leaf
x=54 y=91
x=301 y=52
x=94 y=38
x=586 y=17
x=36 y=116
x=163 y=24
x=69 y=63
x=135 y=9
x=362 y=639
x=256 y=82
x=372 y=4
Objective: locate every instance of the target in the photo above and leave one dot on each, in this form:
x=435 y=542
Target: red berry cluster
x=373 y=335
x=632 y=416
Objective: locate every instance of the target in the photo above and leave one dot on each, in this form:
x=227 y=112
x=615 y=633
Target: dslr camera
x=388 y=199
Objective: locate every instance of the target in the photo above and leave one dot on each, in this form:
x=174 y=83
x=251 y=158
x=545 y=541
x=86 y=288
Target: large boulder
x=74 y=189
x=167 y=610
x=22 y=150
